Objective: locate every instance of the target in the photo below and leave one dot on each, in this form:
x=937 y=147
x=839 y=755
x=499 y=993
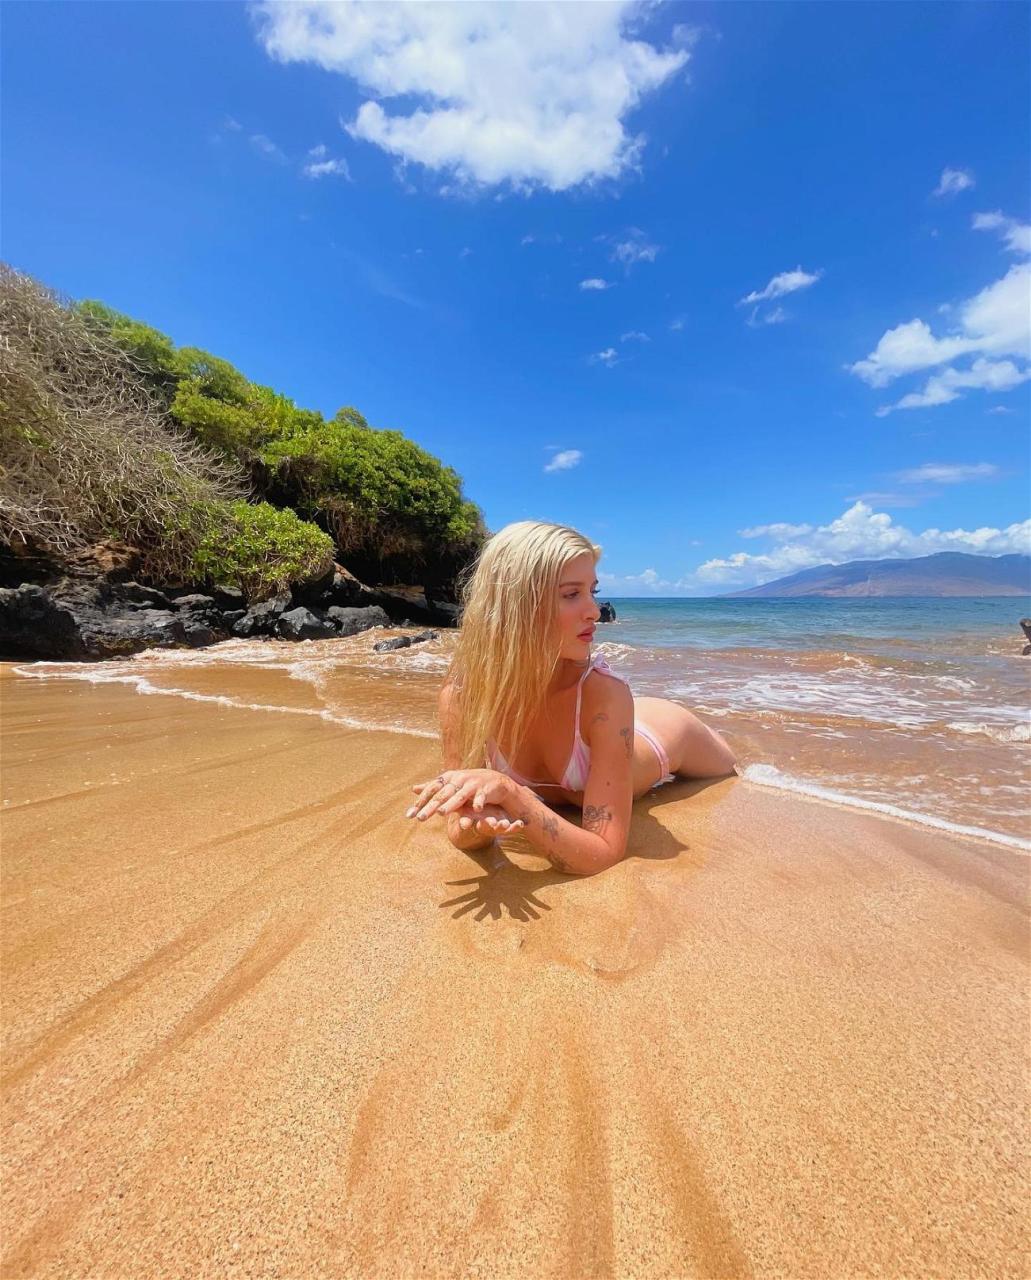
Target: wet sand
x=256 y=1023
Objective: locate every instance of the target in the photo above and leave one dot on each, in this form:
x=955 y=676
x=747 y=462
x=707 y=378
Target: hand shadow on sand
x=508 y=886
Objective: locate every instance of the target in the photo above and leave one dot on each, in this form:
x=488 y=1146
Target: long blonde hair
x=508 y=647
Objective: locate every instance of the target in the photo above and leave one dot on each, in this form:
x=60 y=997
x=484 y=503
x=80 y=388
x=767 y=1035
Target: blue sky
x=806 y=224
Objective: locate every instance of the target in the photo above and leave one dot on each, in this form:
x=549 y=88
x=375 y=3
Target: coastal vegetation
x=108 y=430
x=394 y=512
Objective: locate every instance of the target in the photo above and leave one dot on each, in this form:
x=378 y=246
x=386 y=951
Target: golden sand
x=257 y=1023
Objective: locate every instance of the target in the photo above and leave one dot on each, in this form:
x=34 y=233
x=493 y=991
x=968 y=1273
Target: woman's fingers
x=425 y=789
x=453 y=790
x=458 y=799
x=437 y=801
x=490 y=823
x=427 y=792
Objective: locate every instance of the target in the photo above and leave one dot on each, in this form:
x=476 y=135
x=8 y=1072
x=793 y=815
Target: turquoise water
x=914 y=705
x=917 y=626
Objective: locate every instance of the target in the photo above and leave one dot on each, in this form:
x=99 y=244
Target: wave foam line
x=144 y=686
x=768 y=775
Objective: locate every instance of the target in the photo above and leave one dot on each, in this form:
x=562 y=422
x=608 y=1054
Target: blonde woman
x=523 y=678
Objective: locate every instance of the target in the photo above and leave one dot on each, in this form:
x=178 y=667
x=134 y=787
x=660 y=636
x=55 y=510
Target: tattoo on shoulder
x=627 y=734
x=601 y=715
x=596 y=817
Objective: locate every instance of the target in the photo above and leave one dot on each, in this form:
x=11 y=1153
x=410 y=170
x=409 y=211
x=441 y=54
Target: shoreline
x=757 y=773
x=256 y=1023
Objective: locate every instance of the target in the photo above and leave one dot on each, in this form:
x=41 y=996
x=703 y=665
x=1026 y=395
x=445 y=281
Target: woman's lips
x=586 y=635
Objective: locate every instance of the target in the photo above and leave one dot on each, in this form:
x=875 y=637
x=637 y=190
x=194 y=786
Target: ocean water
x=916 y=704
x=917 y=625
x=917 y=708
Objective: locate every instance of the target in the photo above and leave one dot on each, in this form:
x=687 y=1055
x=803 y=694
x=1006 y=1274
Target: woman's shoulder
x=606 y=694
x=599 y=669
x=604 y=687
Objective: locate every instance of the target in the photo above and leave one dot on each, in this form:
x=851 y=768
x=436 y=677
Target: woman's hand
x=460 y=788
x=492 y=820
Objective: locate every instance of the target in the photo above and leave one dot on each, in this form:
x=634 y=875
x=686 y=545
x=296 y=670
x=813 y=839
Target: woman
x=523 y=675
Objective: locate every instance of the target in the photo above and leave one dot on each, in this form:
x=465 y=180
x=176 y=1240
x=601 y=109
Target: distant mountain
x=949 y=573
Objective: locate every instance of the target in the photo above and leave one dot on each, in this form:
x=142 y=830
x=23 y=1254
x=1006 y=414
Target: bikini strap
x=579 y=694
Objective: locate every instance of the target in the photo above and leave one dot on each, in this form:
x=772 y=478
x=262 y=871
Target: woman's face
x=578 y=610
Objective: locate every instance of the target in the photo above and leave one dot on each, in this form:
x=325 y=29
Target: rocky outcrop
x=403 y=642
x=95 y=609
x=86 y=620
x=96 y=612
x=303 y=624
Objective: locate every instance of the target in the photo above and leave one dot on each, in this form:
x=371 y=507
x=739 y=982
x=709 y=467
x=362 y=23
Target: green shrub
x=375 y=490
x=260 y=549
x=153 y=355
x=390 y=506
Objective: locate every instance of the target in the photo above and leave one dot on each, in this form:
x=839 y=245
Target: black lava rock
x=399 y=642
x=350 y=622
x=303 y=624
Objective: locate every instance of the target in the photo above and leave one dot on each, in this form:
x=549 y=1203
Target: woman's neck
x=567 y=674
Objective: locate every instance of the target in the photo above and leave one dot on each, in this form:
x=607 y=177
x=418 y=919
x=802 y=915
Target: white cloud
x=465 y=253
x=564 y=459
x=648 y=582
x=784 y=283
x=860 y=533
x=595 y=283
x=266 y=147
x=1016 y=234
x=634 y=335
x=880 y=499
x=320 y=164
x=779 y=532
x=677 y=325
x=999 y=408
x=944 y=387
x=948 y=473
x=953 y=181
x=607 y=357
x=633 y=248
x=993 y=323
x=533 y=95
x=777 y=316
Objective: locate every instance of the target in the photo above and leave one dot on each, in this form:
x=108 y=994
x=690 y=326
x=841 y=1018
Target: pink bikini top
x=575 y=776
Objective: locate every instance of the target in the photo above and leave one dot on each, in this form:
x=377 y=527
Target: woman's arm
x=608 y=796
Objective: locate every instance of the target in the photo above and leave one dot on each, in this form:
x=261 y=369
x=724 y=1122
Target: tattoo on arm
x=627 y=734
x=596 y=817
x=549 y=826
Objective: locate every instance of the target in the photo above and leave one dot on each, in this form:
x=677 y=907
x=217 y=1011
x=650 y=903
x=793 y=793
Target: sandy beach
x=255 y=1023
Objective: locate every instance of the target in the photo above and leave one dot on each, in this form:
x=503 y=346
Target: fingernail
x=409 y=812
